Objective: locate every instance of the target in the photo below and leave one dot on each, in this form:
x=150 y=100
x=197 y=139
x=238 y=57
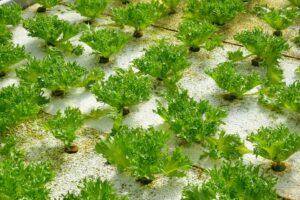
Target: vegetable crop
x=5 y=35
x=171 y=5
x=46 y=4
x=90 y=8
x=143 y=153
x=10 y=14
x=295 y=2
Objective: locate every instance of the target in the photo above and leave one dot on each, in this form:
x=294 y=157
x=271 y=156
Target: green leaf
x=90 y=8
x=236 y=56
x=48 y=3
x=5 y=35
x=171 y=5
x=295 y=2
x=10 y=14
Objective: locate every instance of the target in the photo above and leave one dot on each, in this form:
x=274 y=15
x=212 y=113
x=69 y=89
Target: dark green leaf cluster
x=228 y=78
x=171 y=5
x=191 y=120
x=295 y=2
x=10 y=14
x=52 y=73
x=279 y=19
x=138 y=16
x=276 y=144
x=163 y=61
x=215 y=11
x=195 y=34
x=64 y=126
x=5 y=35
x=48 y=3
x=18 y=104
x=105 y=41
x=126 y=88
x=280 y=97
x=95 y=189
x=143 y=153
x=10 y=55
x=90 y=8
x=234 y=181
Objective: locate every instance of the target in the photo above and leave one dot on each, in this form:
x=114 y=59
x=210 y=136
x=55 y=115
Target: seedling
x=236 y=84
x=163 y=61
x=191 y=120
x=281 y=97
x=64 y=127
x=53 y=74
x=138 y=16
x=199 y=34
x=90 y=8
x=5 y=35
x=18 y=104
x=171 y=5
x=215 y=11
x=105 y=42
x=46 y=4
x=92 y=188
x=278 y=19
x=233 y=181
x=143 y=153
x=276 y=144
x=55 y=32
x=10 y=55
x=10 y=14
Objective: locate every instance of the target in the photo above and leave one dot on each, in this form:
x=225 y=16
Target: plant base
x=277 y=33
x=57 y=93
x=103 y=60
x=229 y=97
x=50 y=44
x=137 y=34
x=194 y=49
x=89 y=22
x=125 y=111
x=2 y=74
x=144 y=181
x=172 y=12
x=125 y=2
x=72 y=149
x=256 y=61
x=278 y=167
x=41 y=9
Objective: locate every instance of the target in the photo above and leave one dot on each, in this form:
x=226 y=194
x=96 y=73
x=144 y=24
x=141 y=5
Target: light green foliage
x=18 y=104
x=48 y=3
x=52 y=73
x=281 y=97
x=195 y=34
x=164 y=61
x=94 y=75
x=143 y=153
x=276 y=144
x=54 y=32
x=295 y=2
x=233 y=181
x=90 y=8
x=171 y=5
x=10 y=14
x=298 y=70
x=215 y=11
x=191 y=120
x=10 y=55
x=228 y=78
x=105 y=41
x=64 y=126
x=95 y=189
x=5 y=35
x=279 y=19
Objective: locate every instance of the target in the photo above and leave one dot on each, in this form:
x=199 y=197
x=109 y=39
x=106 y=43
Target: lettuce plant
x=295 y=2
x=53 y=74
x=171 y=5
x=64 y=126
x=191 y=120
x=143 y=153
x=5 y=35
x=215 y=11
x=297 y=39
x=10 y=55
x=278 y=19
x=236 y=84
x=46 y=4
x=138 y=16
x=198 y=34
x=281 y=97
x=233 y=180
x=90 y=8
x=54 y=32
x=163 y=61
x=10 y=14
x=105 y=42
x=276 y=144
x=18 y=104
x=95 y=189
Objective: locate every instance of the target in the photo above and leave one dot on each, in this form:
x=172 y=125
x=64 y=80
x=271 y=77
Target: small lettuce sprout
x=18 y=104
x=295 y=2
x=95 y=188
x=46 y=4
x=64 y=127
x=10 y=14
x=276 y=144
x=138 y=16
x=236 y=84
x=191 y=121
x=281 y=97
x=55 y=32
x=233 y=180
x=215 y=11
x=143 y=153
x=105 y=42
x=5 y=35
x=53 y=74
x=90 y=8
x=278 y=19
x=199 y=34
x=171 y=5
x=10 y=55
x=163 y=61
